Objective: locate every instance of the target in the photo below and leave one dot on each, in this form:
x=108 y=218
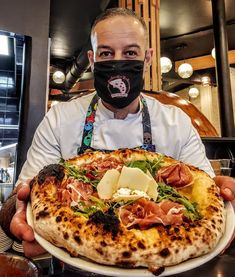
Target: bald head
x=123 y=15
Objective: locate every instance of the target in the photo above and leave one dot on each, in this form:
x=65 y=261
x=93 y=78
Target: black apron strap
x=89 y=126
x=147 y=132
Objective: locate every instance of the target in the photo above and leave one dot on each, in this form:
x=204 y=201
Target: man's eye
x=131 y=53
x=105 y=54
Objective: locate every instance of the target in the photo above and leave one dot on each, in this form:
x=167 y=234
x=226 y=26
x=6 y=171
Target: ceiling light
x=166 y=64
x=206 y=80
x=193 y=92
x=58 y=77
x=4 y=50
x=185 y=70
x=213 y=52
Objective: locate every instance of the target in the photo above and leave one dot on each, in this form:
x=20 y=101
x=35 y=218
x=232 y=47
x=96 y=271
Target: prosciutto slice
x=144 y=213
x=74 y=191
x=176 y=175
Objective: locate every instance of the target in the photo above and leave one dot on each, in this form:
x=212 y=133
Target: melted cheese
x=125 y=194
x=108 y=184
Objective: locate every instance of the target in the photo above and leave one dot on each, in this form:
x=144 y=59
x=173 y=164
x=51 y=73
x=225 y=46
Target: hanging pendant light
x=193 y=92
x=185 y=70
x=58 y=77
x=166 y=64
x=206 y=81
x=213 y=53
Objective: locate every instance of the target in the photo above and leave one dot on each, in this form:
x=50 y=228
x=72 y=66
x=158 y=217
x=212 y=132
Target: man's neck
x=133 y=107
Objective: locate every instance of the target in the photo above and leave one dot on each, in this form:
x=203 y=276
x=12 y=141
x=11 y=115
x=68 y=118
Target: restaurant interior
x=43 y=61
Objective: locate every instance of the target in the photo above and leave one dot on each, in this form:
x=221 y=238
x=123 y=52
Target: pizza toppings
x=130 y=184
x=144 y=213
x=176 y=175
x=73 y=191
x=130 y=191
x=169 y=193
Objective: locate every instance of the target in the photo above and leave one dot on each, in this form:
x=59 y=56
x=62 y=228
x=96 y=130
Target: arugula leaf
x=86 y=210
x=79 y=174
x=168 y=192
x=147 y=165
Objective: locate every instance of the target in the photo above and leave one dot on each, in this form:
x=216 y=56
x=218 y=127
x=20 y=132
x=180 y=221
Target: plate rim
x=107 y=270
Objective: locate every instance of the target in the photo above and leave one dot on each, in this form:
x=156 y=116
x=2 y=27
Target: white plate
x=139 y=272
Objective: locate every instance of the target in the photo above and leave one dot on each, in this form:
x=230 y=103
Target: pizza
x=128 y=208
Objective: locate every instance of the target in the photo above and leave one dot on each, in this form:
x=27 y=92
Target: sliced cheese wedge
x=152 y=188
x=134 y=179
x=108 y=184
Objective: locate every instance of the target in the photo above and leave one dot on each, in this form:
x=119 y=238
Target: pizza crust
x=158 y=246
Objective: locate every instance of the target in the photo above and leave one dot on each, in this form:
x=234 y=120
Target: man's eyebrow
x=104 y=46
x=127 y=46
x=133 y=46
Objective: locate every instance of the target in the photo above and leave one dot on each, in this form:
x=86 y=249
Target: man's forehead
x=119 y=25
x=118 y=28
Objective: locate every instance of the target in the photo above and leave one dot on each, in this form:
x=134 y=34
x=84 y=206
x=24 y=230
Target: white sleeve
x=193 y=152
x=45 y=147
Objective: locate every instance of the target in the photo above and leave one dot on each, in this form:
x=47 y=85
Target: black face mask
x=119 y=82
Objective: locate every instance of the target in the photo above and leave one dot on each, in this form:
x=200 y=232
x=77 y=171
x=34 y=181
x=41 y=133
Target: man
x=118 y=116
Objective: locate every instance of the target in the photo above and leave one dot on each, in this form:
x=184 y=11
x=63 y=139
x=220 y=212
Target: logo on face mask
x=119 y=86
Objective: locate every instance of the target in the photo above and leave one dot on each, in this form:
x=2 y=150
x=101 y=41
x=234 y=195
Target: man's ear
x=90 y=55
x=148 y=59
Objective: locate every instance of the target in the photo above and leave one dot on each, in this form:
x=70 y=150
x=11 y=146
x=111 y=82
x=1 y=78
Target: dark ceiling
x=182 y=22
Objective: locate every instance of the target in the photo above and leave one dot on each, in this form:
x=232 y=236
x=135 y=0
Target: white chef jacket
x=60 y=134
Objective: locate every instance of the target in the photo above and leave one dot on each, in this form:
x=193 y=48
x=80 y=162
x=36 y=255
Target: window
x=4 y=50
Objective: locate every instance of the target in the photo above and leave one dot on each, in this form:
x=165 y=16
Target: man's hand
x=227 y=187
x=227 y=191
x=19 y=226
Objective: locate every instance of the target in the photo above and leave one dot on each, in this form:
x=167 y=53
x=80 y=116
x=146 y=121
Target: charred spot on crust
x=109 y=221
x=66 y=236
x=103 y=243
x=157 y=271
x=100 y=251
x=133 y=248
x=126 y=254
x=77 y=238
x=55 y=170
x=32 y=182
x=188 y=239
x=164 y=252
x=43 y=214
x=58 y=218
x=141 y=245
x=176 y=230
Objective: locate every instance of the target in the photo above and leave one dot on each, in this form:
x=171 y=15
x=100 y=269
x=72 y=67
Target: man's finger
x=23 y=192
x=19 y=226
x=32 y=249
x=227 y=187
x=226 y=193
